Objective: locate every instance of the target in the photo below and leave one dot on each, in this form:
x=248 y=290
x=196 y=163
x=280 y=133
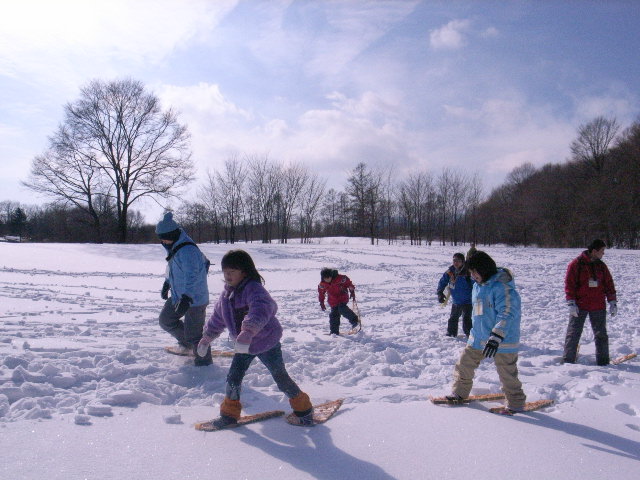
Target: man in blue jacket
x=186 y=279
x=458 y=280
x=495 y=332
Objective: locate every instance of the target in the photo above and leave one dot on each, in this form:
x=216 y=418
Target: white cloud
x=490 y=32
x=451 y=36
x=66 y=39
x=328 y=35
x=201 y=102
x=621 y=105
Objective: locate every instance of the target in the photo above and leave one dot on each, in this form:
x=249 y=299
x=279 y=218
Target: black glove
x=183 y=305
x=164 y=293
x=441 y=297
x=492 y=345
x=323 y=307
x=352 y=294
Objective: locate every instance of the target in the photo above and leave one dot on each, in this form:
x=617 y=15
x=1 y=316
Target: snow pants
x=342 y=309
x=272 y=359
x=456 y=311
x=598 y=321
x=506 y=364
x=187 y=332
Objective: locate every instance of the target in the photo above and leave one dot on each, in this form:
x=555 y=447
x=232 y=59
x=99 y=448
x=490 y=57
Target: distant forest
x=116 y=146
x=594 y=194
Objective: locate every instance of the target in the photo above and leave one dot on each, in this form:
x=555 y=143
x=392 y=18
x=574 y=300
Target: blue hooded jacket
x=187 y=272
x=496 y=309
x=460 y=285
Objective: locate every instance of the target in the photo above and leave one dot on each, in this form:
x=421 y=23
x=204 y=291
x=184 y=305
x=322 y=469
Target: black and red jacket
x=337 y=290
x=589 y=283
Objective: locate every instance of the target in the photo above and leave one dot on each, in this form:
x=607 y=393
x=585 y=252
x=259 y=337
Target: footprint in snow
x=628 y=409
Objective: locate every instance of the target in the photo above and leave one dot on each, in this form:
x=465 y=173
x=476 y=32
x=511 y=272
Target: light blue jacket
x=496 y=309
x=187 y=273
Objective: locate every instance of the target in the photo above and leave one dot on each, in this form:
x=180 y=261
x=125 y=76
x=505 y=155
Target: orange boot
x=302 y=407
x=229 y=413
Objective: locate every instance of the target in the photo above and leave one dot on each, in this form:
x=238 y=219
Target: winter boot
x=230 y=408
x=202 y=361
x=454 y=398
x=224 y=421
x=302 y=407
x=305 y=418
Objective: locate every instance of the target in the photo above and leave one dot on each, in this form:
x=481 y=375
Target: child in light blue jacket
x=186 y=280
x=495 y=332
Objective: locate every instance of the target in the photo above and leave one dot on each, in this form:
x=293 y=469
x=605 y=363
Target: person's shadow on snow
x=614 y=444
x=311 y=449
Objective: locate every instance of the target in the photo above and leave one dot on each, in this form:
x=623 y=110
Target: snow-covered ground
x=86 y=390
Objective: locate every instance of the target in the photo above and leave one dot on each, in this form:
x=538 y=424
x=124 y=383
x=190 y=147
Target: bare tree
x=413 y=198
x=263 y=186
x=443 y=202
x=474 y=197
x=310 y=200
x=224 y=192
x=71 y=175
x=457 y=194
x=116 y=135
x=192 y=216
x=364 y=188
x=293 y=180
x=389 y=206
x=593 y=142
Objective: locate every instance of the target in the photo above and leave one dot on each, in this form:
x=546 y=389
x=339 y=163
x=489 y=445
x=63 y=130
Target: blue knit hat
x=167 y=225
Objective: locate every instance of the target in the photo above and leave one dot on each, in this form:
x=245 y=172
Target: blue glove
x=183 y=305
x=492 y=345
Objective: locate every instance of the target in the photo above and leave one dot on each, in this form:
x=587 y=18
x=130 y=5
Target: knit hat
x=166 y=228
x=482 y=263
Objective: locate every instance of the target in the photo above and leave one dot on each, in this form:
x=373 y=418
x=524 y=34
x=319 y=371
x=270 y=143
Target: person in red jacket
x=338 y=288
x=587 y=285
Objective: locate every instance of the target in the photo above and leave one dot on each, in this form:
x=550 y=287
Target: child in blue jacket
x=495 y=332
x=186 y=281
x=460 y=285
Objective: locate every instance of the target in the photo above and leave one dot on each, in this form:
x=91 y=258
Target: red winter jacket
x=577 y=286
x=337 y=290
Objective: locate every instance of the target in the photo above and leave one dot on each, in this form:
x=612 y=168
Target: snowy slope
x=87 y=392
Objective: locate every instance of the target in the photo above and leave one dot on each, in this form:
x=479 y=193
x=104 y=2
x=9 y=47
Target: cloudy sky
x=473 y=85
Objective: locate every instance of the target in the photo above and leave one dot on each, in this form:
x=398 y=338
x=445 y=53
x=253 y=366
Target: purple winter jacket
x=248 y=305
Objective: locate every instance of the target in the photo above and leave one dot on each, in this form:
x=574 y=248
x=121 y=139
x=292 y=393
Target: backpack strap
x=173 y=252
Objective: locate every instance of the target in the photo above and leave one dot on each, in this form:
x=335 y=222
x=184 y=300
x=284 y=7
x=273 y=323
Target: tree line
x=595 y=194
x=116 y=146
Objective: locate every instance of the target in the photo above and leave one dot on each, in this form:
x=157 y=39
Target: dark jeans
x=272 y=359
x=334 y=317
x=456 y=311
x=598 y=321
x=187 y=332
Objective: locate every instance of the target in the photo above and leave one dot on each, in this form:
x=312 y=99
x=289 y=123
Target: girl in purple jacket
x=247 y=310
